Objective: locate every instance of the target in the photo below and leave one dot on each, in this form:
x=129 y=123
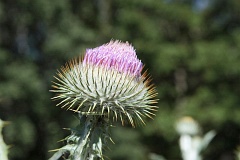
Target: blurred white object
x=154 y=156
x=3 y=146
x=191 y=143
x=187 y=125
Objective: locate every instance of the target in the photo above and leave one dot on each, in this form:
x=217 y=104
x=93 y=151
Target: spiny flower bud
x=107 y=81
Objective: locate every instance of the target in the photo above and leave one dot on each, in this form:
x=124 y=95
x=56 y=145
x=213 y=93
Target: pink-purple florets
x=117 y=55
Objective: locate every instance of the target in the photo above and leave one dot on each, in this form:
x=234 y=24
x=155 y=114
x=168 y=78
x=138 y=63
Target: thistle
x=105 y=86
x=191 y=142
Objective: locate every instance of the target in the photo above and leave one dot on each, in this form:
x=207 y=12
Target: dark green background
x=192 y=53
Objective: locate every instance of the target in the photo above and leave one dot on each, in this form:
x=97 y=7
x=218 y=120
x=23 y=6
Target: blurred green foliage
x=193 y=56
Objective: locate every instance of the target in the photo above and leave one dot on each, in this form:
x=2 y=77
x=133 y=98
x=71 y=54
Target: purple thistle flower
x=107 y=81
x=119 y=56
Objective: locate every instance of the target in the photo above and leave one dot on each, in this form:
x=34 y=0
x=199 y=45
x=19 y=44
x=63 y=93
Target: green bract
x=97 y=90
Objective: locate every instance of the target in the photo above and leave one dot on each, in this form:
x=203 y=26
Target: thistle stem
x=86 y=140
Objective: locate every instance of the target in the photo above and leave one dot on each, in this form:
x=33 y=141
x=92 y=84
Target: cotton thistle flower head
x=107 y=81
